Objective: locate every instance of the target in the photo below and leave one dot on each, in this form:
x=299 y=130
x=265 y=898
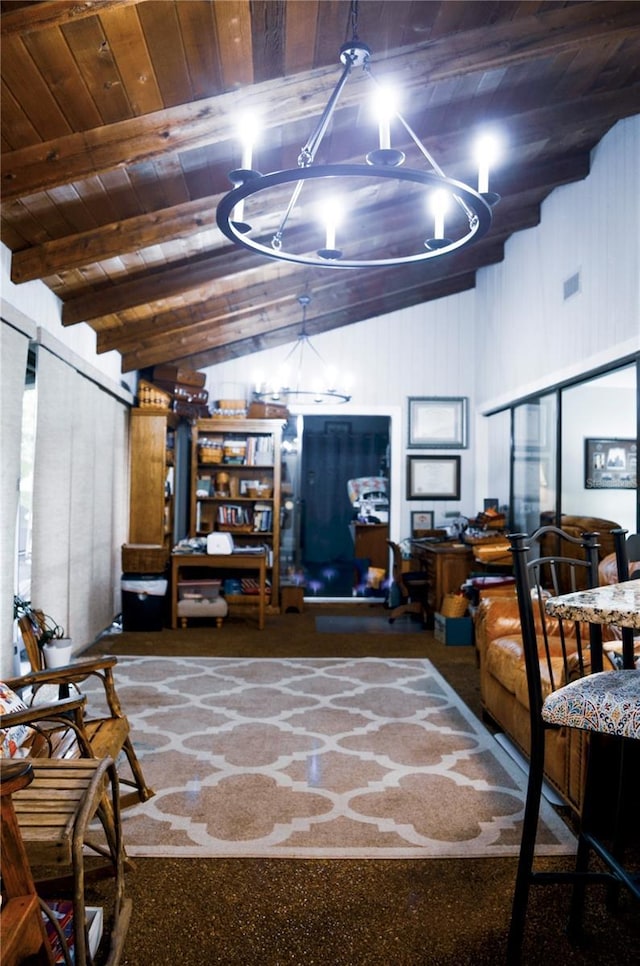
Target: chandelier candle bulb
x=486 y=151
x=247 y=134
x=331 y=215
x=386 y=110
x=483 y=176
x=439 y=205
x=385 y=134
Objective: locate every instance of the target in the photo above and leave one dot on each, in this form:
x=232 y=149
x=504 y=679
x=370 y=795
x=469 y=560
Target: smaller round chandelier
x=287 y=207
x=287 y=385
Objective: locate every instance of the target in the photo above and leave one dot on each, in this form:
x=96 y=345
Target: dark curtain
x=333 y=452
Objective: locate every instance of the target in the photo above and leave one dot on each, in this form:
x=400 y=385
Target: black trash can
x=144 y=602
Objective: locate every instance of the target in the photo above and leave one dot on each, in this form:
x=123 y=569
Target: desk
x=253 y=562
x=447 y=564
x=617 y=604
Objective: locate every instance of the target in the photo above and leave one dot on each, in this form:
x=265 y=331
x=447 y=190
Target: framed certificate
x=433 y=477
x=438 y=422
x=421 y=520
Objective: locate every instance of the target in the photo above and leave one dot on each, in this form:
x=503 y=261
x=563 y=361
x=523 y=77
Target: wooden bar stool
x=22 y=931
x=54 y=813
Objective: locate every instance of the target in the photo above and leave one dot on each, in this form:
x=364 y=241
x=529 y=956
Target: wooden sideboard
x=448 y=566
x=370 y=541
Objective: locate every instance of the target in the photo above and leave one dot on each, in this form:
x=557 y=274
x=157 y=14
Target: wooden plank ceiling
x=118 y=135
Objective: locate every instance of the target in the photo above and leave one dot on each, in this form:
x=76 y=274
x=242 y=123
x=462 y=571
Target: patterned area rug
x=345 y=758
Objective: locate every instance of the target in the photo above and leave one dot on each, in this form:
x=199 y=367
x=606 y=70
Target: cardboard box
x=454 y=631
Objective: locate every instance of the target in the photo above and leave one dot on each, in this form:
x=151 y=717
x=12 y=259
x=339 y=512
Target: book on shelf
x=259 y=451
x=233 y=515
x=62 y=909
x=262 y=517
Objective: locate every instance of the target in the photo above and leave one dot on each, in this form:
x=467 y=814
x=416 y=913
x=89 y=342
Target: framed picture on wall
x=438 y=422
x=610 y=464
x=433 y=477
x=421 y=520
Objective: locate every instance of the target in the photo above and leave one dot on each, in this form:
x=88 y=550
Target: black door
x=334 y=451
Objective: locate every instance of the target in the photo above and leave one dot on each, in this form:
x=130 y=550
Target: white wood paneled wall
x=532 y=336
x=426 y=350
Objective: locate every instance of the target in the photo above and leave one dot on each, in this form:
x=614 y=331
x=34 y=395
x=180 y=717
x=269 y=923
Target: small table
x=617 y=604
x=253 y=562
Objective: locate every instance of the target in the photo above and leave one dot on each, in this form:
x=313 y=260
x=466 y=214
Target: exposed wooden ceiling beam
x=79 y=155
x=335 y=320
x=210 y=276
x=54 y=13
x=371 y=293
x=115 y=238
x=194 y=217
x=248 y=296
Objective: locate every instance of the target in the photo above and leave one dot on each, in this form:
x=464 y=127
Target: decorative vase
x=58 y=652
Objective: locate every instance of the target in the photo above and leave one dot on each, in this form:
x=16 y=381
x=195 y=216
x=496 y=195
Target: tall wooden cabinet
x=235 y=485
x=152 y=436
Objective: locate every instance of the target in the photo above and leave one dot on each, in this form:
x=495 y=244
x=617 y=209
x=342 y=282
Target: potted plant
x=56 y=648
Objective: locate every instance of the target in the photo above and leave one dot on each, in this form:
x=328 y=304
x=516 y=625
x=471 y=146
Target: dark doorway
x=333 y=451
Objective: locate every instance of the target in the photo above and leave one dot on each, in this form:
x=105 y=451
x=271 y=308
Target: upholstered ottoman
x=215 y=608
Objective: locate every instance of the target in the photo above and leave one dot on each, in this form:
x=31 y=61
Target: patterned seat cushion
x=12 y=739
x=607 y=702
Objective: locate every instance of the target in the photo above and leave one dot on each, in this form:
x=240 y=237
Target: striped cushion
x=607 y=702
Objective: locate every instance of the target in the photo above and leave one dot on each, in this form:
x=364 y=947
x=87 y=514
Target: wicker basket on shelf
x=454 y=605
x=152 y=397
x=210 y=454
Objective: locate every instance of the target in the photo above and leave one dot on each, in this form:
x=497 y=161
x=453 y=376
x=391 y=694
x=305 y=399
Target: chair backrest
x=627 y=549
x=396 y=567
x=31 y=630
x=555 y=651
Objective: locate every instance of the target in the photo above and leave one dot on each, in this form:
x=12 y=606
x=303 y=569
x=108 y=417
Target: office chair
x=565 y=691
x=413 y=586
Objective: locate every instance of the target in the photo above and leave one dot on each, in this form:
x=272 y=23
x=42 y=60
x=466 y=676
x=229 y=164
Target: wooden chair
x=413 y=587
x=567 y=689
x=103 y=735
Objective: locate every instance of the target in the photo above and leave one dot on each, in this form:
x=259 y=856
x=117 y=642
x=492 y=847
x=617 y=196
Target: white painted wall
x=426 y=350
x=529 y=337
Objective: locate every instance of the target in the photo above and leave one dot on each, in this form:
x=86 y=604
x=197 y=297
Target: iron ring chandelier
x=275 y=216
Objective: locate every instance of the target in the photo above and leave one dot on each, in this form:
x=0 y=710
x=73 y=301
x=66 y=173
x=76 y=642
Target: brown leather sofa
x=503 y=686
